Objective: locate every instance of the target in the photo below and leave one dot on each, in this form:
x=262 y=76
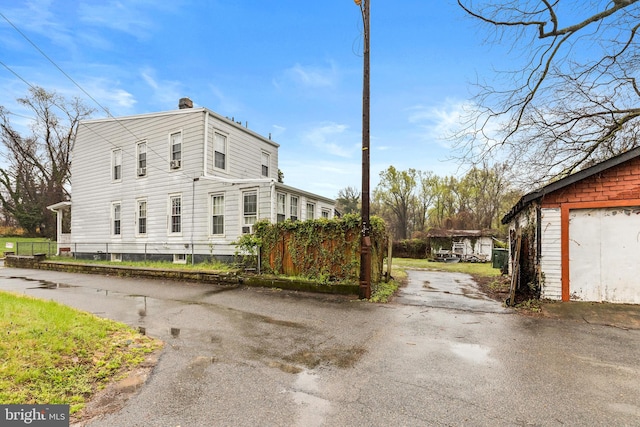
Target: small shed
x=465 y=245
x=579 y=238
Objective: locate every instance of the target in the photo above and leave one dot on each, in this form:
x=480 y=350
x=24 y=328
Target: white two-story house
x=175 y=185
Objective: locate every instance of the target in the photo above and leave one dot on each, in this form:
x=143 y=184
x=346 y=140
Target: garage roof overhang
x=527 y=199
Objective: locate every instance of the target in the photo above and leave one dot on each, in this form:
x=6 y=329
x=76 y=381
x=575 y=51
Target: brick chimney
x=185 y=103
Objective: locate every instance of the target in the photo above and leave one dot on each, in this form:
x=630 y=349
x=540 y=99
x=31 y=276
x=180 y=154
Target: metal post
x=365 y=242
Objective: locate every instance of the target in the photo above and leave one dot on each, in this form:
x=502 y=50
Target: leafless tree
x=38 y=172
x=576 y=99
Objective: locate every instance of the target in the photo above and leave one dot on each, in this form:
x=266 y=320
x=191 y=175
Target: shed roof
x=435 y=232
x=527 y=199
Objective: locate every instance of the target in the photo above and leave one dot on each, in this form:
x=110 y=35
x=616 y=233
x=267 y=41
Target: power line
x=79 y=87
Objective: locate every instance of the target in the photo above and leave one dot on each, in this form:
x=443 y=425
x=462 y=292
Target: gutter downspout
x=206 y=144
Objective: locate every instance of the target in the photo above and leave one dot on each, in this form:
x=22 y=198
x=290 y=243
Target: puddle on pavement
x=342 y=357
x=472 y=352
x=312 y=408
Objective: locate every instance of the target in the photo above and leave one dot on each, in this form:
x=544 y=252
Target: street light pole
x=365 y=239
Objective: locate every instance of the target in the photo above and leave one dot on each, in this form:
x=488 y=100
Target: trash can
x=499 y=257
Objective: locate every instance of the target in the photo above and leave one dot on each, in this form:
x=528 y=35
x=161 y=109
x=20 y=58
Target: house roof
x=199 y=110
x=527 y=199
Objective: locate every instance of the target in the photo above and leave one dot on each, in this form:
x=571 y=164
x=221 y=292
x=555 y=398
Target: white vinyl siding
x=217 y=214
x=91 y=176
x=551 y=260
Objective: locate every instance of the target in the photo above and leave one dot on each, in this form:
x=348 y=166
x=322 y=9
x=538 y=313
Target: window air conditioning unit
x=247 y=229
x=175 y=164
x=142 y=171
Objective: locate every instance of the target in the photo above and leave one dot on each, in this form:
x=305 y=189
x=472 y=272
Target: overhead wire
x=138 y=139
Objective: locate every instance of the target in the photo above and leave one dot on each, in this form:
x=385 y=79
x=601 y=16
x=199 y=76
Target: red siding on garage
x=620 y=182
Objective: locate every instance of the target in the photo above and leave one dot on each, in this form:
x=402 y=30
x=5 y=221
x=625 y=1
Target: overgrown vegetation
x=322 y=249
x=52 y=354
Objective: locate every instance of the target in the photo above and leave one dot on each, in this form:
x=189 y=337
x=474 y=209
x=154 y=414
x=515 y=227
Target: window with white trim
x=175 y=218
x=141 y=217
x=249 y=207
x=326 y=213
x=141 y=154
x=176 y=150
x=293 y=208
x=282 y=209
x=116 y=165
x=220 y=151
x=265 y=164
x=217 y=214
x=311 y=211
x=116 y=221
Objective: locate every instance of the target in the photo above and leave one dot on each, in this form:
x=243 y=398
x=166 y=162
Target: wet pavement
x=441 y=354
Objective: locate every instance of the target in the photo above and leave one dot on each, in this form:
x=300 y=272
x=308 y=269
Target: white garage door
x=604 y=254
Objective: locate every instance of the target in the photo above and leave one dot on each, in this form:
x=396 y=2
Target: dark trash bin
x=499 y=257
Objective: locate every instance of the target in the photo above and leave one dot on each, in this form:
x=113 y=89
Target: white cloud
x=330 y=138
x=438 y=123
x=125 y=17
x=311 y=76
x=226 y=105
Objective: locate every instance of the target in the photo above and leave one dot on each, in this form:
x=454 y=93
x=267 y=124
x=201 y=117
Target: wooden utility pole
x=365 y=242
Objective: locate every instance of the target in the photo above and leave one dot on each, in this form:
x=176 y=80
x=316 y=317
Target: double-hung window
x=220 y=151
x=265 y=164
x=293 y=208
x=325 y=213
x=116 y=222
x=141 y=214
x=175 y=218
x=282 y=212
x=217 y=214
x=142 y=158
x=249 y=207
x=176 y=150
x=116 y=165
x=311 y=211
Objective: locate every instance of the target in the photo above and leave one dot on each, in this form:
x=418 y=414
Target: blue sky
x=289 y=68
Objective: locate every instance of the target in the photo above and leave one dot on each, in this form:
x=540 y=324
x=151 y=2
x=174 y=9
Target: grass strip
x=53 y=354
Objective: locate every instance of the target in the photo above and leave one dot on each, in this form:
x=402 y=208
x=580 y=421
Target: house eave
x=57 y=206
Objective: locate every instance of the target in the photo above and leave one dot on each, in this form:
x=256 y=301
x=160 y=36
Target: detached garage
x=579 y=238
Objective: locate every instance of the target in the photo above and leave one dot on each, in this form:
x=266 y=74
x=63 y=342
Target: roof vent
x=185 y=103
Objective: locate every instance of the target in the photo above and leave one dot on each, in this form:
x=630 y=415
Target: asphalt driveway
x=441 y=354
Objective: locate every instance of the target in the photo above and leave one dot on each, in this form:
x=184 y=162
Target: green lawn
x=27 y=245
x=53 y=354
x=484 y=269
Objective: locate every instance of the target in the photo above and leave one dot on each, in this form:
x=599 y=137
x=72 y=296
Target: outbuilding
x=578 y=238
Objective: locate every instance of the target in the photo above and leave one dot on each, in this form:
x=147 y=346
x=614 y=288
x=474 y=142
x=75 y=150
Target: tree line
x=412 y=201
